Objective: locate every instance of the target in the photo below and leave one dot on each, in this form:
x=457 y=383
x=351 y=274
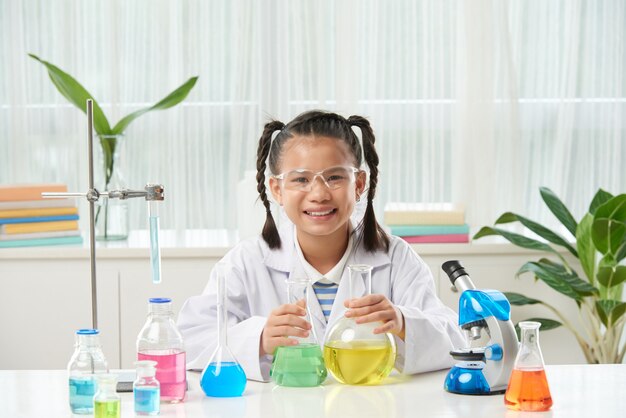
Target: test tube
x=155 y=249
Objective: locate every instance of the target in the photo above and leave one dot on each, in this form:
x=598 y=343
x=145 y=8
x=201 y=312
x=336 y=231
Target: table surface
x=577 y=391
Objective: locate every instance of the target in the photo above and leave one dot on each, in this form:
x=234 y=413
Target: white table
x=577 y=390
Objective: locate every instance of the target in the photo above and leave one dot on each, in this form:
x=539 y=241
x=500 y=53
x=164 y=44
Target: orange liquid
x=528 y=391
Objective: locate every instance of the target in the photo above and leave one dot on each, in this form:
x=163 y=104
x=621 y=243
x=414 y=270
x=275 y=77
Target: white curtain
x=477 y=101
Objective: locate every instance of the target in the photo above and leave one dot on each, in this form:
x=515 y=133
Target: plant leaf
x=546 y=325
x=558 y=209
x=600 y=198
x=621 y=251
x=611 y=276
x=170 y=100
x=538 y=229
x=610 y=310
x=586 y=249
x=609 y=225
x=73 y=91
x=518 y=299
x=517 y=239
x=555 y=276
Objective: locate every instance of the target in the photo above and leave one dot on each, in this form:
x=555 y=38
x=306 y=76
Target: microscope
x=481 y=370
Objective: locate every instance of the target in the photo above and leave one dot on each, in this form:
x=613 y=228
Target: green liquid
x=110 y=409
x=299 y=366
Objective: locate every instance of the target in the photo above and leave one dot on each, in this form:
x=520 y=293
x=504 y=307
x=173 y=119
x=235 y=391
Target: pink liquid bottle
x=159 y=340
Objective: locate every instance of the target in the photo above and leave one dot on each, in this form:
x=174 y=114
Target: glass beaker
x=353 y=353
x=86 y=362
x=528 y=386
x=299 y=365
x=159 y=340
x=223 y=377
x=146 y=389
x=106 y=401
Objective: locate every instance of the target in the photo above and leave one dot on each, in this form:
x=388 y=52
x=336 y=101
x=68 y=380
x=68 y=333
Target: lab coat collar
x=286 y=257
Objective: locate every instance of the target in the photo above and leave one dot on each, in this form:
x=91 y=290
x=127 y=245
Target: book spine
x=417 y=230
x=29 y=213
x=41 y=242
x=39 y=227
x=438 y=239
x=28 y=192
x=38 y=219
x=37 y=235
x=34 y=204
x=425 y=218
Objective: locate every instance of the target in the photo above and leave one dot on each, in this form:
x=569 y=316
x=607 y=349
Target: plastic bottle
x=86 y=362
x=159 y=340
x=146 y=389
x=528 y=387
x=107 y=403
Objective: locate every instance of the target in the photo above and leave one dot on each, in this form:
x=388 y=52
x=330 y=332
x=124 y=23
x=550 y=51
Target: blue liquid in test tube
x=155 y=249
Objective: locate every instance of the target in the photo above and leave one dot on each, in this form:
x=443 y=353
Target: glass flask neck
x=529 y=356
x=529 y=334
x=360 y=273
x=297 y=290
x=222 y=319
x=87 y=341
x=161 y=309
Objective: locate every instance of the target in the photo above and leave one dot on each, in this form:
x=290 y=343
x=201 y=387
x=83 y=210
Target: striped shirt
x=325 y=285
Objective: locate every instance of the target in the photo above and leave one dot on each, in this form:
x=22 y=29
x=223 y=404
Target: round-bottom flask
x=528 y=387
x=223 y=377
x=299 y=365
x=352 y=352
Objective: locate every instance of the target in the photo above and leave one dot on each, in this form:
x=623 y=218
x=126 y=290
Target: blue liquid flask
x=146 y=389
x=86 y=362
x=223 y=377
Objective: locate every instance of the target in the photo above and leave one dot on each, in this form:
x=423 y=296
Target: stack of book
x=427 y=222
x=27 y=220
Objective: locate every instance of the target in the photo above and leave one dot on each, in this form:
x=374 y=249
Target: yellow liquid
x=359 y=362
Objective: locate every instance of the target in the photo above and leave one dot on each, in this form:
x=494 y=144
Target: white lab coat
x=256 y=285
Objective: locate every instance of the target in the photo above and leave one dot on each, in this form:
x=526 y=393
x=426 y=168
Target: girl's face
x=320 y=211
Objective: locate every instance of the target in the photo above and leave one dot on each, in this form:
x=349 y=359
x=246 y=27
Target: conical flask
x=299 y=365
x=528 y=387
x=352 y=352
x=223 y=377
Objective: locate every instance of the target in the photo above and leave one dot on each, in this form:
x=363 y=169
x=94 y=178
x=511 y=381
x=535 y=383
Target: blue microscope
x=481 y=370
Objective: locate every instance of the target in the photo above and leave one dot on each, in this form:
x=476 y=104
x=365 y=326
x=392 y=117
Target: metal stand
x=151 y=192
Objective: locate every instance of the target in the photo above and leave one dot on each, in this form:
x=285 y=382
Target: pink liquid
x=170 y=372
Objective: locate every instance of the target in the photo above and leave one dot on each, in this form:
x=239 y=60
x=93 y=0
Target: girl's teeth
x=320 y=213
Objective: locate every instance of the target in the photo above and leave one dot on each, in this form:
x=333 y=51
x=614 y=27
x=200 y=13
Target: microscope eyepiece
x=454 y=270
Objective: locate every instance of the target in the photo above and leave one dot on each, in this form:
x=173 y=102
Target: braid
x=374 y=236
x=270 y=233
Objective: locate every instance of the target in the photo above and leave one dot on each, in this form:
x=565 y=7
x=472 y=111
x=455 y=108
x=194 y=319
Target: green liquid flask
x=353 y=353
x=299 y=365
x=106 y=402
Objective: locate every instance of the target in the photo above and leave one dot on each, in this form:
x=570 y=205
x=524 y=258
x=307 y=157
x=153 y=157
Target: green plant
x=73 y=91
x=600 y=246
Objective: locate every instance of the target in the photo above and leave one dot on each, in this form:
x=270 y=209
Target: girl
x=315 y=164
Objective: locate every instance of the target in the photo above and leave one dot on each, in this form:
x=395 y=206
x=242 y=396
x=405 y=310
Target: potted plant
x=113 y=223
x=598 y=250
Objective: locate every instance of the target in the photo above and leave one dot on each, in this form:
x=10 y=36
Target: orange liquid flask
x=528 y=386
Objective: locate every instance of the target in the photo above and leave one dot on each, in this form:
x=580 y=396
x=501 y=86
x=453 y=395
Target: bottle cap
x=159 y=300
x=87 y=331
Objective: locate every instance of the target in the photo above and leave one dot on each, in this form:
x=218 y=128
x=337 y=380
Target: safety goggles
x=302 y=179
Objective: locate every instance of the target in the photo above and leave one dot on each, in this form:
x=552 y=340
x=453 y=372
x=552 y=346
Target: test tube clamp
x=152 y=192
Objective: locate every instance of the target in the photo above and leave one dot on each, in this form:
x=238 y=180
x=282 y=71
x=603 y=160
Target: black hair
x=326 y=124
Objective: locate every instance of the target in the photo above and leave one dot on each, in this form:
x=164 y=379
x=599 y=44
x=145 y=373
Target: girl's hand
x=373 y=308
x=286 y=320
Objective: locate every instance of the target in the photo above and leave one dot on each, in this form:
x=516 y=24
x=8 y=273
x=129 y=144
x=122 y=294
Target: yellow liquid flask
x=528 y=387
x=353 y=353
x=299 y=365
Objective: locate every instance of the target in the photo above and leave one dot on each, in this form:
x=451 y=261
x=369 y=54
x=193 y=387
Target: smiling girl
x=315 y=164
